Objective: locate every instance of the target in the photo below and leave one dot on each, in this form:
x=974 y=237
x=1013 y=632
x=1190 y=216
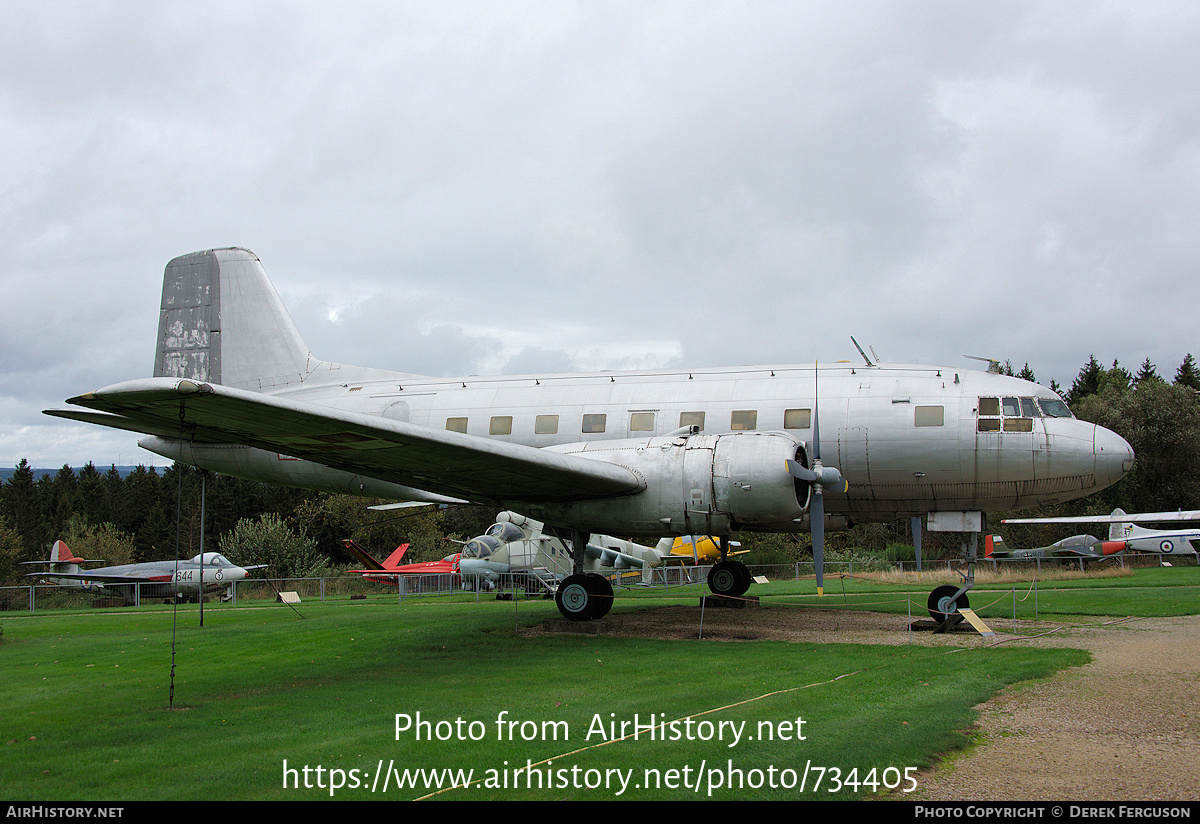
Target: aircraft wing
x=1073 y=552
x=1137 y=518
x=422 y=568
x=448 y=463
x=362 y=555
x=149 y=577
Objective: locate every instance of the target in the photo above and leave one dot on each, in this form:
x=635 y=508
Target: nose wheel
x=942 y=603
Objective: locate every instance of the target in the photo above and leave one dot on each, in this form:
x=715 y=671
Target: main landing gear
x=584 y=597
x=730 y=578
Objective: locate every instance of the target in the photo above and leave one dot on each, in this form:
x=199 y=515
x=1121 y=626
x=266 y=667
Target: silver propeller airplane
x=156 y=578
x=651 y=453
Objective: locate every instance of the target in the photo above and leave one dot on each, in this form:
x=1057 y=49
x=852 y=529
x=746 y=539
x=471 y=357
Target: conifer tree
x=1187 y=374
x=1146 y=373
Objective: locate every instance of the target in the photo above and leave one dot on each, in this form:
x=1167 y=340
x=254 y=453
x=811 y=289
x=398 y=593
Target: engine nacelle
x=698 y=484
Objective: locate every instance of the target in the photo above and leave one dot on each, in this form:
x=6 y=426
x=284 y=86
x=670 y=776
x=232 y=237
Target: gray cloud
x=466 y=187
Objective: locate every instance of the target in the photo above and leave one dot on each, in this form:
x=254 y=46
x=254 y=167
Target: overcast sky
x=484 y=187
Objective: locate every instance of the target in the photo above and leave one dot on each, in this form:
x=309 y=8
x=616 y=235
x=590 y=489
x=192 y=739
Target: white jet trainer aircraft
x=653 y=453
x=212 y=571
x=1125 y=527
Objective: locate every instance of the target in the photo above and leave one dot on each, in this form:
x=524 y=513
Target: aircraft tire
x=730 y=578
x=746 y=578
x=940 y=605
x=602 y=595
x=576 y=599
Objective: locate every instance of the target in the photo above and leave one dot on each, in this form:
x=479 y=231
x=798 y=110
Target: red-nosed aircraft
x=388 y=570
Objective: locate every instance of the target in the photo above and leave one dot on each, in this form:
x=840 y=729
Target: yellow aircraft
x=701 y=549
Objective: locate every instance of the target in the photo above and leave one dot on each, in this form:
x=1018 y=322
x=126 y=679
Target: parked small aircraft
x=156 y=578
x=388 y=570
x=1086 y=547
x=657 y=453
x=1125 y=527
x=517 y=544
x=700 y=549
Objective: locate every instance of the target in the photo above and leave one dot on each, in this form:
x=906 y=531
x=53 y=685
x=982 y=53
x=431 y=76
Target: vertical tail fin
x=222 y=321
x=63 y=560
x=394 y=559
x=993 y=545
x=1119 y=532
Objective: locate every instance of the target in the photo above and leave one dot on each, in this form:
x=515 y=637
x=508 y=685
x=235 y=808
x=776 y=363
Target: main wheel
x=942 y=603
x=729 y=578
x=574 y=598
x=602 y=595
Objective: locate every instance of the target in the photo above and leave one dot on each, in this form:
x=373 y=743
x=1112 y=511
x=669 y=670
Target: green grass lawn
x=86 y=709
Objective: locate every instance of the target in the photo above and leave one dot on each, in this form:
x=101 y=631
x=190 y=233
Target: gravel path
x=1125 y=727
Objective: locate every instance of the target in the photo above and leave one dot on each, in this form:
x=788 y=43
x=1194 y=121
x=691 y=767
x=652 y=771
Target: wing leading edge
x=1135 y=518
x=447 y=463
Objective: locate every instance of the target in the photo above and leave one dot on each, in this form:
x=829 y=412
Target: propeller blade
x=821 y=478
x=798 y=470
x=816 y=511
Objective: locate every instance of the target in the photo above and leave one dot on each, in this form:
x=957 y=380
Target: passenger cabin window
x=641 y=421
x=456 y=424
x=501 y=425
x=691 y=419
x=929 y=416
x=545 y=425
x=797 y=419
x=593 y=424
x=743 y=420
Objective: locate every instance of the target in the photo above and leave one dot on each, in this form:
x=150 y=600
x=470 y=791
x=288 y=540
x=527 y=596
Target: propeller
x=820 y=478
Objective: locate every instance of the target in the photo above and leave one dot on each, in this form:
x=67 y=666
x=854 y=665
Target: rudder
x=1121 y=531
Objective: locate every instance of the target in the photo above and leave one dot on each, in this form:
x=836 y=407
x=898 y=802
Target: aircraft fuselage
x=907 y=439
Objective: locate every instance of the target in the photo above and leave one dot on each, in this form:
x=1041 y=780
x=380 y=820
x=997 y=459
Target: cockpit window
x=505 y=531
x=1054 y=408
x=1017 y=414
x=481 y=547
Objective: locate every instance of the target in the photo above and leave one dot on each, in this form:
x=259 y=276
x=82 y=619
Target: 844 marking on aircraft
x=650 y=453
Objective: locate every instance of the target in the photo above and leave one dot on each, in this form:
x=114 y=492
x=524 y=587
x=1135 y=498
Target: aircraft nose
x=1114 y=455
x=469 y=566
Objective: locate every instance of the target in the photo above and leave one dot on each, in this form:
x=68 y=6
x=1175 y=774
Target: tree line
x=151 y=514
